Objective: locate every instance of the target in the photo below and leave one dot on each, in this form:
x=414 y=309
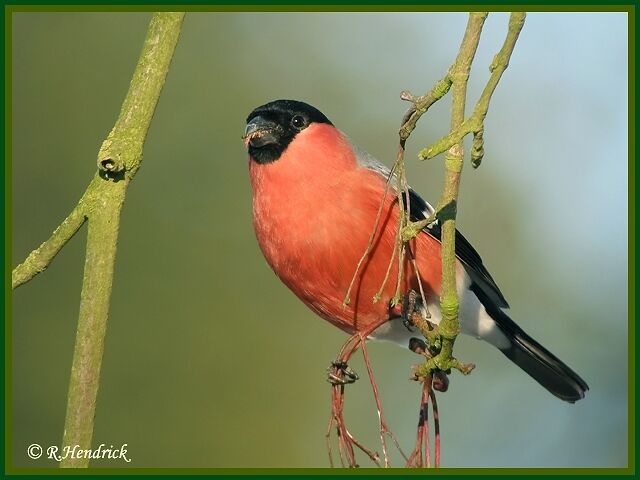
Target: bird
x=316 y=197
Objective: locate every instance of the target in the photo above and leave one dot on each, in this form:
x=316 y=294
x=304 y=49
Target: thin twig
x=367 y=251
x=475 y=123
x=39 y=259
x=397 y=168
x=421 y=105
x=422 y=446
x=378 y=294
x=425 y=430
x=346 y=441
x=436 y=424
x=384 y=428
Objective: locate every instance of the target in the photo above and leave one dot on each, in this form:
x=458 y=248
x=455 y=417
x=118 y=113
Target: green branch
x=475 y=123
x=41 y=257
x=449 y=325
x=446 y=210
x=122 y=150
x=421 y=104
x=118 y=161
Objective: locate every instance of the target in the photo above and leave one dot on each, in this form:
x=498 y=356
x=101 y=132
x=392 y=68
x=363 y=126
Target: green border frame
x=327 y=5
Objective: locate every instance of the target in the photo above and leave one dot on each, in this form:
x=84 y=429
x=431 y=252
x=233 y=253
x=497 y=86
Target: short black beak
x=261 y=132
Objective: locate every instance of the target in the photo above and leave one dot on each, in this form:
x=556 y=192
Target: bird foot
x=440 y=380
x=413 y=313
x=409 y=306
x=339 y=373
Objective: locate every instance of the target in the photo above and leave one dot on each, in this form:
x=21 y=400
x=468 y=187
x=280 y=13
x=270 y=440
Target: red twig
x=347 y=443
x=436 y=425
x=416 y=458
x=384 y=428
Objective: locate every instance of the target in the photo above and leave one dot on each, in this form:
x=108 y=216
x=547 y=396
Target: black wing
x=419 y=210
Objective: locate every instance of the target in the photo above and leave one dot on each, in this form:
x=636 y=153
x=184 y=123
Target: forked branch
x=446 y=209
x=118 y=161
x=475 y=123
x=441 y=338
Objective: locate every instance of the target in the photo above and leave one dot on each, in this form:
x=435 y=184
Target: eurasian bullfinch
x=316 y=198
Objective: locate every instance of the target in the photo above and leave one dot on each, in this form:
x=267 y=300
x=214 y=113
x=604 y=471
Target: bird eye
x=298 y=121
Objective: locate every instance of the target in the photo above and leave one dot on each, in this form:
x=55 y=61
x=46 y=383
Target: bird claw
x=339 y=373
x=419 y=346
x=439 y=378
x=440 y=381
x=411 y=305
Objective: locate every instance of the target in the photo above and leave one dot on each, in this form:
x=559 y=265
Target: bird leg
x=411 y=310
x=409 y=301
x=439 y=378
x=439 y=357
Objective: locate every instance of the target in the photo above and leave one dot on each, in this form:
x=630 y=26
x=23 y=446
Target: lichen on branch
x=475 y=123
x=455 y=81
x=118 y=161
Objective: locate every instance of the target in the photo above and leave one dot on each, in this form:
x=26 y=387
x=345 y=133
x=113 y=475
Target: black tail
x=541 y=364
x=545 y=368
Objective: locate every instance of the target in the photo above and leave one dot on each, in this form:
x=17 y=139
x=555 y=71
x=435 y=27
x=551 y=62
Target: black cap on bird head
x=272 y=126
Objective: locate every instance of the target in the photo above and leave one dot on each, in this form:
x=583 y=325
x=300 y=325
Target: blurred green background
x=210 y=361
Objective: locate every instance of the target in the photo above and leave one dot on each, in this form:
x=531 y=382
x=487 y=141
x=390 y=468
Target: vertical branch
x=475 y=123
x=432 y=372
x=122 y=150
x=102 y=238
x=452 y=143
x=449 y=305
x=118 y=161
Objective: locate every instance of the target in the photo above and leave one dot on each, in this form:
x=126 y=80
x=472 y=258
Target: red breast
x=314 y=210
